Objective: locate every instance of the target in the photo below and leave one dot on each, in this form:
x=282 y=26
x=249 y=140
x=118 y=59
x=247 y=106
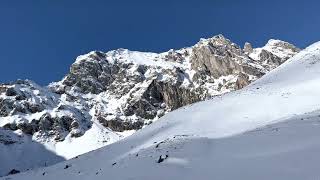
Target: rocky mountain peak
x=217 y=41
x=108 y=96
x=283 y=44
x=274 y=53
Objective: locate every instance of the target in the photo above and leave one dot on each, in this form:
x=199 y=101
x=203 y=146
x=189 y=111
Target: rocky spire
x=247 y=48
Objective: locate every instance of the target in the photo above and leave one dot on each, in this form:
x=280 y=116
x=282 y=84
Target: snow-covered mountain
x=108 y=96
x=267 y=130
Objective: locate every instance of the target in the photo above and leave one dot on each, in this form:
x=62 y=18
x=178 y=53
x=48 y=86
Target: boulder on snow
x=13 y=171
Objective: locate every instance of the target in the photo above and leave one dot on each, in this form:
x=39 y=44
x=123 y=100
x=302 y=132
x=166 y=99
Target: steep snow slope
x=268 y=130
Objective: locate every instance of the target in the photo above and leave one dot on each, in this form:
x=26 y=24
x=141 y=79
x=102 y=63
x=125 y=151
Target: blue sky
x=40 y=39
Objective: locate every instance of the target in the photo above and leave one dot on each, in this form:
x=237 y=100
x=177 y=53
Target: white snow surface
x=268 y=130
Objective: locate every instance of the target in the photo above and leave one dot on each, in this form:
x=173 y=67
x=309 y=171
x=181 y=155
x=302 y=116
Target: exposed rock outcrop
x=247 y=48
x=216 y=57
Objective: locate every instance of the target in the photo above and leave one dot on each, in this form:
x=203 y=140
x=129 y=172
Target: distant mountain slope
x=108 y=96
x=268 y=130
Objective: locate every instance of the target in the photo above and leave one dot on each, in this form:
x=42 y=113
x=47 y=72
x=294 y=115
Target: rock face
x=31 y=108
x=125 y=90
x=216 y=57
x=6 y=138
x=247 y=48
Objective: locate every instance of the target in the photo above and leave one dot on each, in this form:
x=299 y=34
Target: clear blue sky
x=39 y=39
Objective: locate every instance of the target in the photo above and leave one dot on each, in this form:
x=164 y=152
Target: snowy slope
x=268 y=130
x=16 y=151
